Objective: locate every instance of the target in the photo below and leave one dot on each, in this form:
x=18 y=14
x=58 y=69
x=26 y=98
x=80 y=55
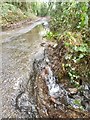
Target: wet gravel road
x=17 y=57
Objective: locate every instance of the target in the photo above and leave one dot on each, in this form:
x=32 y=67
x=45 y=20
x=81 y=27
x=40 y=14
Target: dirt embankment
x=47 y=105
x=53 y=110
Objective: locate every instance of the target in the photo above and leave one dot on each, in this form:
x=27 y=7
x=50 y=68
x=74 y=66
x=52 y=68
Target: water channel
x=29 y=88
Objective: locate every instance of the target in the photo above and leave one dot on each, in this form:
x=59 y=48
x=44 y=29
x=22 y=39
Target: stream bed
x=30 y=88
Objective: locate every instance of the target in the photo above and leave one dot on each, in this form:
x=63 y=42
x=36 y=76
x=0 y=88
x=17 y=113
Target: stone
x=73 y=90
x=55 y=45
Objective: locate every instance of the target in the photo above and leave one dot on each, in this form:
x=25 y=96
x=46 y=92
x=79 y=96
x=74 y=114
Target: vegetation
x=69 y=23
x=14 y=11
x=70 y=55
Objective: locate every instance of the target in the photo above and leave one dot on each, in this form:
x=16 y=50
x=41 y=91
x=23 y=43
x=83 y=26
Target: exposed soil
x=53 y=110
x=56 y=55
x=36 y=101
x=48 y=108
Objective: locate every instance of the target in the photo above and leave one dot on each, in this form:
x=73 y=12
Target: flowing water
x=28 y=83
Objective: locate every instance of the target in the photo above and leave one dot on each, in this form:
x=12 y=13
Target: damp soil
x=30 y=86
x=18 y=50
x=50 y=99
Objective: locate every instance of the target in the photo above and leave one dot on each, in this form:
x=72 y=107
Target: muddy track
x=29 y=81
x=17 y=59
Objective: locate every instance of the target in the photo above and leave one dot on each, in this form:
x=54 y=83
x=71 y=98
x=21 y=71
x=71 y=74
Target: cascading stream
x=56 y=92
x=37 y=94
x=41 y=66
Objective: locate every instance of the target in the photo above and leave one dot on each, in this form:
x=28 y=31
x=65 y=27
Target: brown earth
x=47 y=106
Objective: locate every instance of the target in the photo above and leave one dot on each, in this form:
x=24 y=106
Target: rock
x=52 y=99
x=86 y=91
x=55 y=45
x=73 y=91
x=86 y=104
x=55 y=58
x=47 y=60
x=39 y=56
x=50 y=45
x=43 y=44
